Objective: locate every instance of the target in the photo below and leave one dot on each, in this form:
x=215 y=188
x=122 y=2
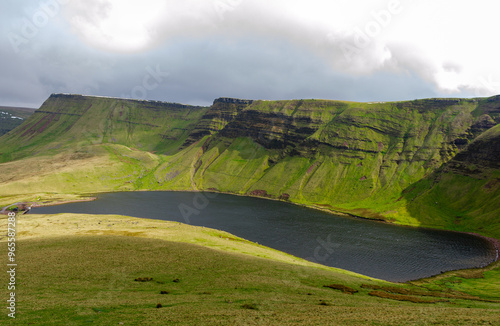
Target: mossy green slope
x=67 y=121
x=354 y=157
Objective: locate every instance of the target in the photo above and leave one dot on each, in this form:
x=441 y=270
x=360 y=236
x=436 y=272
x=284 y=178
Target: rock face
x=332 y=152
x=228 y=100
x=216 y=118
x=480 y=155
x=463 y=194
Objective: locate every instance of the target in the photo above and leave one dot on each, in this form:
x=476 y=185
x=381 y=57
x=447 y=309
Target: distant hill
x=11 y=117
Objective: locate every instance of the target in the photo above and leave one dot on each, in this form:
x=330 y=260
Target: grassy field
x=71 y=273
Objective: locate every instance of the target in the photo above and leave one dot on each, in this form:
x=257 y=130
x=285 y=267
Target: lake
x=377 y=249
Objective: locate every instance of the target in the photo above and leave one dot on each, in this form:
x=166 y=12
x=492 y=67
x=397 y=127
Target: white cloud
x=355 y=37
x=122 y=26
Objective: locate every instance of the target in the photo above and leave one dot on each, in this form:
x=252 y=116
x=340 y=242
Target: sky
x=194 y=51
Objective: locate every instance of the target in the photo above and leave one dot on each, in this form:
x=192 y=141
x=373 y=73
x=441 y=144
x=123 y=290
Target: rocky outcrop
x=223 y=111
x=271 y=130
x=480 y=155
x=228 y=100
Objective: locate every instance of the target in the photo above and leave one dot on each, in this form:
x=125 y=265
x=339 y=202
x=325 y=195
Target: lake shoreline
x=489 y=243
x=495 y=243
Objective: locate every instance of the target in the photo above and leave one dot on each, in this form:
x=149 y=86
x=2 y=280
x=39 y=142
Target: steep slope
x=68 y=120
x=216 y=118
x=465 y=193
x=350 y=156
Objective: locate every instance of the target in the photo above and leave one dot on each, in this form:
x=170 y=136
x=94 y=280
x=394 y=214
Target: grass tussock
x=250 y=306
x=325 y=303
x=345 y=289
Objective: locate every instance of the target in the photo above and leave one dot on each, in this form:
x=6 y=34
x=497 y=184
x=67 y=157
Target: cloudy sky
x=193 y=51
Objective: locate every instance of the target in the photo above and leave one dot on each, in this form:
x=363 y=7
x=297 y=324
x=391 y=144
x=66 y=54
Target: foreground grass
x=39 y=226
x=81 y=269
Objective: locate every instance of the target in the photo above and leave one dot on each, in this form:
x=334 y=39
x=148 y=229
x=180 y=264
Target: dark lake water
x=380 y=250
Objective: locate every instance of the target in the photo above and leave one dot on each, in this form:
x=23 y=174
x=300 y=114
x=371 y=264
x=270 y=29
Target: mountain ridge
x=360 y=158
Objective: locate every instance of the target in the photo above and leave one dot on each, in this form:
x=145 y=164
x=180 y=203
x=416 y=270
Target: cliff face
x=481 y=155
x=464 y=193
x=301 y=127
x=366 y=158
x=216 y=118
x=340 y=152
